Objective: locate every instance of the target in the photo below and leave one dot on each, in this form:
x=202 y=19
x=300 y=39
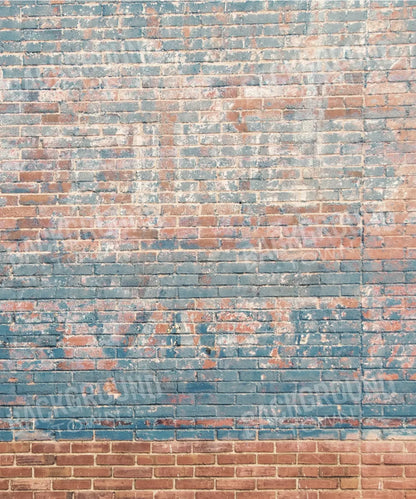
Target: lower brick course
x=310 y=469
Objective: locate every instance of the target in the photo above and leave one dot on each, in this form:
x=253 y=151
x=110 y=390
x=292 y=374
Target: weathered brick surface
x=207 y=232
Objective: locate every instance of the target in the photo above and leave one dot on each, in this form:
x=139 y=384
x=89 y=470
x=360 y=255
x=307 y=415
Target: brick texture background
x=207 y=218
x=305 y=469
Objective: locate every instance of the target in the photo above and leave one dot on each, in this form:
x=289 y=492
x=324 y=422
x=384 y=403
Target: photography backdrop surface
x=207 y=216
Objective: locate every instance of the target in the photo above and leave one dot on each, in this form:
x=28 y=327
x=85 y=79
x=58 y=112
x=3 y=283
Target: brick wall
x=226 y=470
x=307 y=469
x=207 y=216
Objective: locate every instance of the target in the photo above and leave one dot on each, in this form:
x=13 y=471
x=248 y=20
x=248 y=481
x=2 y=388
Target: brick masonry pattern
x=306 y=469
x=207 y=219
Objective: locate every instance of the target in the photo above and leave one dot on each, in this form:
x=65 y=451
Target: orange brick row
x=205 y=469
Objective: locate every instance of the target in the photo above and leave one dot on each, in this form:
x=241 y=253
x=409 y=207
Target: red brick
x=131 y=447
x=233 y=459
x=197 y=459
x=255 y=471
x=153 y=483
x=17 y=495
x=295 y=446
x=31 y=484
x=371 y=483
x=382 y=471
x=350 y=483
x=19 y=471
x=341 y=471
x=217 y=447
x=51 y=447
x=318 y=483
x=127 y=494
x=53 y=471
x=304 y=445
x=315 y=458
x=264 y=494
x=171 y=447
x=372 y=458
x=90 y=447
x=410 y=446
x=213 y=471
x=6 y=460
x=254 y=446
x=381 y=447
x=335 y=494
x=71 y=484
x=75 y=460
x=276 y=458
x=276 y=483
x=118 y=459
x=338 y=446
x=404 y=458
x=164 y=494
x=157 y=459
x=174 y=471
x=14 y=447
x=37 y=199
x=94 y=472
x=235 y=484
x=51 y=495
x=380 y=494
x=94 y=495
x=41 y=107
x=134 y=472
x=194 y=483
x=113 y=484
x=28 y=459
x=410 y=471
x=298 y=471
x=400 y=484
x=214 y=494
